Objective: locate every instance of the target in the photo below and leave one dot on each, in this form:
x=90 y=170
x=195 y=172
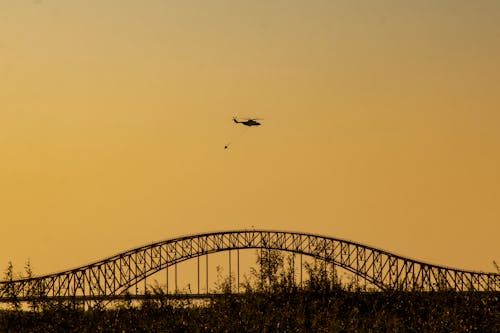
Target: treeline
x=272 y=301
x=276 y=311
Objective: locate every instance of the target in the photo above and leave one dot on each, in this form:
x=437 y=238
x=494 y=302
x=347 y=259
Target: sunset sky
x=381 y=124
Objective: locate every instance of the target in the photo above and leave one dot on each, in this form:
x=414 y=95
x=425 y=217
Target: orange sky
x=381 y=125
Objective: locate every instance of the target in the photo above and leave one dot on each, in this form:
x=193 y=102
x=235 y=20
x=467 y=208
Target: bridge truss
x=115 y=275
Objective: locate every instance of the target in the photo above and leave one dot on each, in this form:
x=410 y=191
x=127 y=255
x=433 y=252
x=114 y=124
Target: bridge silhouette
x=113 y=277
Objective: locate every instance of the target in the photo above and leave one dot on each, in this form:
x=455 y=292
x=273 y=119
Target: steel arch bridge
x=114 y=276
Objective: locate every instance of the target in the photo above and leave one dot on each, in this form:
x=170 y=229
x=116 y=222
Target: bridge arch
x=116 y=274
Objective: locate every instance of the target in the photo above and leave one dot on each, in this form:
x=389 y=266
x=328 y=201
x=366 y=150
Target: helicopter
x=248 y=121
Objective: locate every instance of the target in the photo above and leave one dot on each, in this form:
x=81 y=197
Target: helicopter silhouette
x=248 y=121
x=245 y=121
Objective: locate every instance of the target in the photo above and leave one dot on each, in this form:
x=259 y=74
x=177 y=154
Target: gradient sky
x=381 y=125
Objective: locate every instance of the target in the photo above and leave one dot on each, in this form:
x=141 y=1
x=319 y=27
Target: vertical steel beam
x=301 y=270
x=175 y=268
x=238 y=264
x=175 y=271
x=230 y=282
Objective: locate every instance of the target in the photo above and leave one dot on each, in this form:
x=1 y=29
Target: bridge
x=115 y=276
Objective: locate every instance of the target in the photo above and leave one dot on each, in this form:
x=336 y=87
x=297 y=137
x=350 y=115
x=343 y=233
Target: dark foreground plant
x=293 y=311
